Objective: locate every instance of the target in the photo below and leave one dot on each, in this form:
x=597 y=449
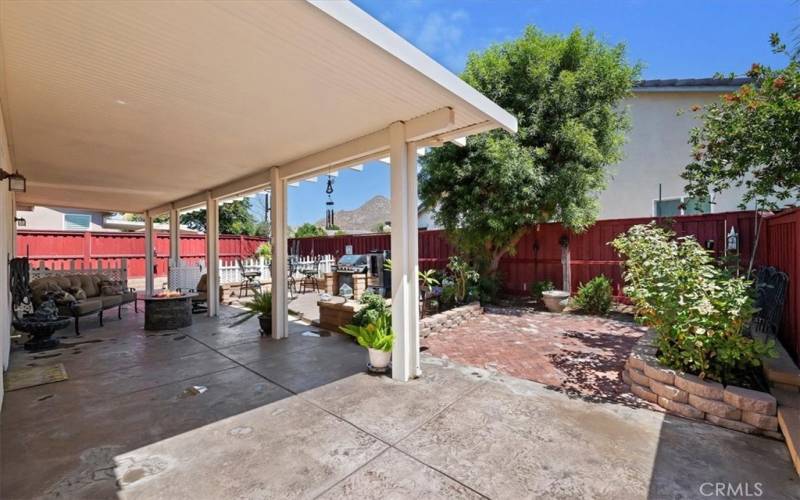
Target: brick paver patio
x=582 y=356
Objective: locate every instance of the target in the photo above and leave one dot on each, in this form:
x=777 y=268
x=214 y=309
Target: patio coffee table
x=168 y=313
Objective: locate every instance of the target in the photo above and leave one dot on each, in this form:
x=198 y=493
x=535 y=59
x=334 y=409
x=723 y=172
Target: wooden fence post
x=87 y=249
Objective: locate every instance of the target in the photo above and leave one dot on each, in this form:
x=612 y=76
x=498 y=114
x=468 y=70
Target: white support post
x=412 y=243
x=212 y=254
x=403 y=357
x=174 y=237
x=149 y=254
x=280 y=291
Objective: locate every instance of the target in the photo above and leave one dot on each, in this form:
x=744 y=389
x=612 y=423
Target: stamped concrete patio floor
x=297 y=418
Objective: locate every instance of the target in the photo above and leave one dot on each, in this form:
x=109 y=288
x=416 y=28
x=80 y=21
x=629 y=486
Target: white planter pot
x=555 y=300
x=379 y=360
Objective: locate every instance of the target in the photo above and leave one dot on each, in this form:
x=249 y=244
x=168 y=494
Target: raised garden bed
x=732 y=407
x=448 y=319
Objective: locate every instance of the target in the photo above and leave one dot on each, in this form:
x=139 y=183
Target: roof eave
x=367 y=27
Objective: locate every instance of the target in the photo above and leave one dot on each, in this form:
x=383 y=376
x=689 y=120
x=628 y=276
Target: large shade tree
x=566 y=94
x=750 y=138
x=234 y=218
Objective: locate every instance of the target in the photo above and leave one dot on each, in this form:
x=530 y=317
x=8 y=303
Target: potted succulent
x=377 y=336
x=260 y=306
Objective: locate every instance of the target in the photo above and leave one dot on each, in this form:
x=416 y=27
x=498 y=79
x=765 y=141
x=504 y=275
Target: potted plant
x=555 y=300
x=377 y=336
x=261 y=306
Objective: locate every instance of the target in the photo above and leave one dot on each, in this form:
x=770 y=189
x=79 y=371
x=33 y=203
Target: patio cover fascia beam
x=374 y=145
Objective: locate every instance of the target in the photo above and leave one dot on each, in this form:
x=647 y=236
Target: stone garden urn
x=555 y=300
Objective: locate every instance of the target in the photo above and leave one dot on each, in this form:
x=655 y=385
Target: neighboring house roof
x=690 y=85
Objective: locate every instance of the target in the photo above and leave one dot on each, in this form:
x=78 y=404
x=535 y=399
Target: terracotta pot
x=266 y=325
x=379 y=360
x=555 y=300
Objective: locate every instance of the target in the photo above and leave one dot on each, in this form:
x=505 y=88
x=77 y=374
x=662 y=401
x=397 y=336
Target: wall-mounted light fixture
x=20 y=221
x=16 y=181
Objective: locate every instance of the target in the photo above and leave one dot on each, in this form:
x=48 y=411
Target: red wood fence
x=55 y=248
x=781 y=249
x=538 y=253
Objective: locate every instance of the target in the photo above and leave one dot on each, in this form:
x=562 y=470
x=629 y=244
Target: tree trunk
x=499 y=253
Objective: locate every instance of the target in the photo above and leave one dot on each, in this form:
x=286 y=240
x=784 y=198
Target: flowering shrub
x=698 y=309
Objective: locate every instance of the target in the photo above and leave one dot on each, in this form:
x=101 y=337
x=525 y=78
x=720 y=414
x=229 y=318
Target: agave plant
x=261 y=305
x=376 y=335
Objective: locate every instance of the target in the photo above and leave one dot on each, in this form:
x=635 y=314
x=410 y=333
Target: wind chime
x=329 y=223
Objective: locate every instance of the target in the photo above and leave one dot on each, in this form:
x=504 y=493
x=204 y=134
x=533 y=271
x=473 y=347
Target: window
x=77 y=222
x=686 y=205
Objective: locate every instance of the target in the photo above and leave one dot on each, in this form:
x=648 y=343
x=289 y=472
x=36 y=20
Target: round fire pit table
x=168 y=313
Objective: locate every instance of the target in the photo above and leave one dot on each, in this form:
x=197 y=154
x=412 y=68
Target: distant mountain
x=364 y=218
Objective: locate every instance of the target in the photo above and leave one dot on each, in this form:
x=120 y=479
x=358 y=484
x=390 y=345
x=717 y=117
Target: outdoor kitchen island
x=168 y=311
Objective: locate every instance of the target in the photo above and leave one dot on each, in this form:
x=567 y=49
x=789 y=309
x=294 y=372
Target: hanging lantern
x=329 y=222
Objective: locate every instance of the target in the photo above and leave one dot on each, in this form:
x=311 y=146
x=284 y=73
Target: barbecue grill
x=352 y=264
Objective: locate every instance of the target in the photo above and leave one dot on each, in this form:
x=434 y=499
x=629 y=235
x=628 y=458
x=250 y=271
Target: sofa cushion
x=128 y=297
x=74 y=281
x=78 y=293
x=111 y=300
x=110 y=288
x=61 y=281
x=89 y=286
x=87 y=306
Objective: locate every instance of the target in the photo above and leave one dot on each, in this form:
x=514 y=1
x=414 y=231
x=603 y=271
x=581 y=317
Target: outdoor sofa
x=78 y=295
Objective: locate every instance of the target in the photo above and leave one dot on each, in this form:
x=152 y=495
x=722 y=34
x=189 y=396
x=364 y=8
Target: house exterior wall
x=656 y=151
x=52 y=218
x=7 y=252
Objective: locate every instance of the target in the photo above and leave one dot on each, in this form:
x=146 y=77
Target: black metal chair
x=310 y=277
x=291 y=282
x=771 y=285
x=249 y=280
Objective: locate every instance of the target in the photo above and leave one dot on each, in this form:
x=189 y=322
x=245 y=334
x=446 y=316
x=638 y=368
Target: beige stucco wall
x=52 y=219
x=6 y=252
x=656 y=152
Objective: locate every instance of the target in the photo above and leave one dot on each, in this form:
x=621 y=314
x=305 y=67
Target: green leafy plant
x=595 y=297
x=377 y=334
x=463 y=277
x=539 y=287
x=260 y=305
x=372 y=307
x=264 y=251
x=427 y=279
x=448 y=296
x=308 y=230
x=487 y=290
x=698 y=310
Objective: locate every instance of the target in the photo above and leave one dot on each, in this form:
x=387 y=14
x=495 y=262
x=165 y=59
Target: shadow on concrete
x=697 y=460
x=128 y=388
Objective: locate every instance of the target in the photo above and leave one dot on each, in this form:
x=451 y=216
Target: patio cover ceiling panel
x=128 y=105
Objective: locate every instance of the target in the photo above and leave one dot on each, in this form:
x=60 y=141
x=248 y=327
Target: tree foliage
x=565 y=93
x=751 y=138
x=308 y=229
x=234 y=218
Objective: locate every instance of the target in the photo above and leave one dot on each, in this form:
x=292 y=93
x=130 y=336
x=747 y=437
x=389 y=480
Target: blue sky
x=672 y=38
